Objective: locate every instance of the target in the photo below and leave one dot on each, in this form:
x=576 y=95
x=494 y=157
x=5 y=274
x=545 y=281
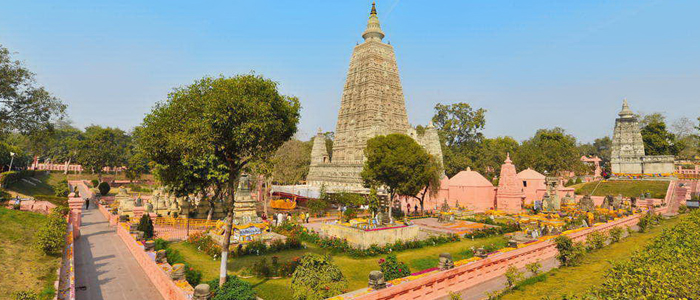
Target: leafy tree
x=534 y=267
x=217 y=126
x=424 y=181
x=23 y=105
x=102 y=147
x=658 y=140
x=489 y=155
x=317 y=277
x=550 y=150
x=392 y=268
x=570 y=253
x=317 y=206
x=459 y=124
x=373 y=202
x=392 y=161
x=137 y=162
x=21 y=159
x=291 y=162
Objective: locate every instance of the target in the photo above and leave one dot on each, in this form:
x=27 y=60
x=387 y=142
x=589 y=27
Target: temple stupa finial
x=626 y=112
x=373 y=31
x=508 y=161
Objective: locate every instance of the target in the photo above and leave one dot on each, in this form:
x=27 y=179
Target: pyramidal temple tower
x=628 y=156
x=372 y=104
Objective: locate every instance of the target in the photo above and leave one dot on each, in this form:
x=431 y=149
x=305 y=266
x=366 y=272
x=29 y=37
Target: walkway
x=104 y=267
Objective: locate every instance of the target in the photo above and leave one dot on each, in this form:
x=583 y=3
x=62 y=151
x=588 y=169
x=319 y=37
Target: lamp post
x=12 y=158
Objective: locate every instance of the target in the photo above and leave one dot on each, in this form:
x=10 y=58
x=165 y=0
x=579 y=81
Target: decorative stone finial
x=508 y=161
x=373 y=31
x=626 y=112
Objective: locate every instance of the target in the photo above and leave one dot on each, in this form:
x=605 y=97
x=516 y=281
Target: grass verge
x=628 y=188
x=23 y=267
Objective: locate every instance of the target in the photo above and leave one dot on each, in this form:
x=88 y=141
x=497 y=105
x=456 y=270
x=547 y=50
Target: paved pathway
x=105 y=267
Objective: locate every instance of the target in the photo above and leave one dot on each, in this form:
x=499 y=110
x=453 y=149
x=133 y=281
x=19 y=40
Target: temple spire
x=626 y=112
x=374 y=30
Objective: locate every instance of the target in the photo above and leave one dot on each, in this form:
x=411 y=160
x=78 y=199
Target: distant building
x=372 y=104
x=628 y=155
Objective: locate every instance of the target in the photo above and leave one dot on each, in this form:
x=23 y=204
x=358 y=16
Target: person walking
x=87 y=204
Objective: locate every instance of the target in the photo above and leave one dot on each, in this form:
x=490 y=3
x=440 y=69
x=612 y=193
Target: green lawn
x=356 y=270
x=23 y=267
x=25 y=189
x=628 y=188
x=579 y=279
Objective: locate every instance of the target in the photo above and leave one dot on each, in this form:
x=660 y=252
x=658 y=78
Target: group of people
x=279 y=218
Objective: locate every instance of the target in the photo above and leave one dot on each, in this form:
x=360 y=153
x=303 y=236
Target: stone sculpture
x=445 y=261
x=376 y=280
x=201 y=292
x=161 y=256
x=178 y=272
x=149 y=245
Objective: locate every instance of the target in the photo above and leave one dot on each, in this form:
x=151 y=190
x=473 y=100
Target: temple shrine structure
x=372 y=104
x=470 y=190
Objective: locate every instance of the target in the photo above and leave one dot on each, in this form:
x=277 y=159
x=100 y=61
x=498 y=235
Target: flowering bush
x=205 y=243
x=392 y=268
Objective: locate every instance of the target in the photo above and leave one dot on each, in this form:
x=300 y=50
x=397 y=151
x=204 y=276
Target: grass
x=24 y=189
x=628 y=188
x=356 y=270
x=24 y=267
x=579 y=279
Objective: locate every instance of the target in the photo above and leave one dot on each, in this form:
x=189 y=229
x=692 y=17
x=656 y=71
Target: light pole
x=12 y=158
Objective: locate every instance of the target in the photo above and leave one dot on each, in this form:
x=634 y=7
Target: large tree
x=658 y=140
x=232 y=121
x=24 y=106
x=102 y=147
x=399 y=164
x=550 y=150
x=460 y=129
x=291 y=162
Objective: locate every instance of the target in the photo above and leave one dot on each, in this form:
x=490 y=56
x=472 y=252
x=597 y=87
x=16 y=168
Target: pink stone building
x=469 y=189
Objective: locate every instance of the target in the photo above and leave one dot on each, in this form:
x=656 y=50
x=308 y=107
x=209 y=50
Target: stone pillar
x=201 y=292
x=376 y=280
x=76 y=210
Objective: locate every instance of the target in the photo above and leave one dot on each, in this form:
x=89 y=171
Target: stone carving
x=445 y=261
x=201 y=292
x=149 y=245
x=376 y=280
x=160 y=256
x=372 y=104
x=586 y=204
x=178 y=272
x=480 y=252
x=628 y=155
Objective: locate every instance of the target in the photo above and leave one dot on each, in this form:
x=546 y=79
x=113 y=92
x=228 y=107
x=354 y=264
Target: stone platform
x=362 y=239
x=458 y=227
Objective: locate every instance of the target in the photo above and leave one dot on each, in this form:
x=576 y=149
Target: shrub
x=534 y=267
x=61 y=189
x=24 y=295
x=682 y=209
x=349 y=214
x=261 y=268
x=161 y=244
x=192 y=276
x=512 y=276
x=317 y=278
x=392 y=268
x=570 y=253
x=578 y=180
x=95 y=182
x=146 y=225
x=570 y=182
x=233 y=289
x=50 y=237
x=256 y=247
x=205 y=243
x=317 y=206
x=595 y=240
x=455 y=296
x=615 y=234
x=60 y=210
x=104 y=188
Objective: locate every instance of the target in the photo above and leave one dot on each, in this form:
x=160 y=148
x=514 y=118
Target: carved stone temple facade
x=372 y=104
x=628 y=155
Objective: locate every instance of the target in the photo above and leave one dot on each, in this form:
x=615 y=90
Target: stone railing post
x=76 y=210
x=138 y=212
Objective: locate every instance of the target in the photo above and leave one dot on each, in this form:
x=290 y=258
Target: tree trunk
x=227 y=231
x=211 y=210
x=266 y=197
x=391 y=204
x=67 y=164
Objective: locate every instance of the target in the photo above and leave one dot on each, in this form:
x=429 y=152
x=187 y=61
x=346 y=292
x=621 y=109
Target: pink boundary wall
x=469 y=275
x=158 y=277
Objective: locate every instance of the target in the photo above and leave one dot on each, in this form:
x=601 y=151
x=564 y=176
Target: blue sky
x=531 y=64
